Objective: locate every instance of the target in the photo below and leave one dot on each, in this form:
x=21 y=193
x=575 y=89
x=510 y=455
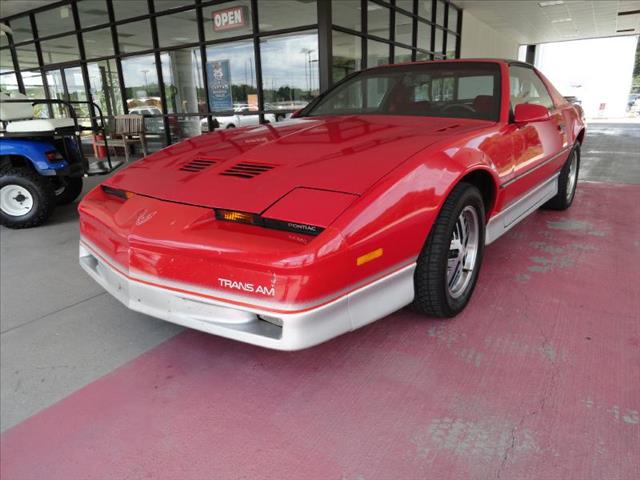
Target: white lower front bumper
x=284 y=330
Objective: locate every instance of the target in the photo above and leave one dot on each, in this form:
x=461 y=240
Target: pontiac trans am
x=382 y=193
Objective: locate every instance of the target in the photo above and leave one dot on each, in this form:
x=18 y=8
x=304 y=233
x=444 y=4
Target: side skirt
x=520 y=209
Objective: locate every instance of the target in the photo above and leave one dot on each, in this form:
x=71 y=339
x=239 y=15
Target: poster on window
x=219 y=84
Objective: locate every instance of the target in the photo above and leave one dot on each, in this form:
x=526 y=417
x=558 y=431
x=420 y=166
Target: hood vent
x=196 y=165
x=247 y=170
x=450 y=127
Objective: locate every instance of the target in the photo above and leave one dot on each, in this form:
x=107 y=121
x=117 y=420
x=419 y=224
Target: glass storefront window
x=347 y=14
x=279 y=14
x=404 y=29
x=177 y=29
x=440 y=8
x=378 y=20
x=130 y=8
x=451 y=45
x=134 y=37
x=27 y=57
x=401 y=55
x=56 y=90
x=183 y=127
x=54 y=21
x=183 y=85
x=21 y=28
x=93 y=12
x=231 y=76
x=98 y=43
x=424 y=9
x=60 y=50
x=290 y=69
x=8 y=83
x=347 y=54
x=6 y=62
x=438 y=46
x=34 y=88
x=377 y=53
x=422 y=56
x=424 y=36
x=141 y=82
x=405 y=4
x=225 y=20
x=76 y=90
x=104 y=87
x=453 y=19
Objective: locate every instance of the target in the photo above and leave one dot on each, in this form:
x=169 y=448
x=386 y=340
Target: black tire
x=564 y=197
x=432 y=295
x=67 y=189
x=41 y=191
x=231 y=125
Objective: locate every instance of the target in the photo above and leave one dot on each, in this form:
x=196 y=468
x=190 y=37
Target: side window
x=526 y=87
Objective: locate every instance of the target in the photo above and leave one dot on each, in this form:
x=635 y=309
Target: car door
x=538 y=147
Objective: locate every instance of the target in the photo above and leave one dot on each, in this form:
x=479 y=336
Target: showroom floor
x=537 y=379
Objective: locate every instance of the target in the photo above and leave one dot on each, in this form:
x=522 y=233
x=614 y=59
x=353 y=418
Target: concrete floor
x=537 y=379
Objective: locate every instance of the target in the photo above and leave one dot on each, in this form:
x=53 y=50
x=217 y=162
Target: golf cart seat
x=41 y=125
x=18 y=118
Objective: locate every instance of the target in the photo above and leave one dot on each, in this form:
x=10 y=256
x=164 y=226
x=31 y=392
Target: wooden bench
x=125 y=130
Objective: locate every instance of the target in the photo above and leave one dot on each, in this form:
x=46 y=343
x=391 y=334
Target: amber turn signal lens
x=233 y=216
x=369 y=257
x=122 y=194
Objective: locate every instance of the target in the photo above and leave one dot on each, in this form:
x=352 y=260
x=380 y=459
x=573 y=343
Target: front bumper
x=282 y=329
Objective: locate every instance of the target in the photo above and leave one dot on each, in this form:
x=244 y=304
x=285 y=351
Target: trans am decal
x=247 y=287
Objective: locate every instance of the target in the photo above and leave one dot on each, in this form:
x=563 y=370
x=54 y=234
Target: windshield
x=453 y=90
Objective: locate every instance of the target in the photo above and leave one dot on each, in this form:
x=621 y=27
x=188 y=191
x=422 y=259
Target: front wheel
x=567 y=182
x=67 y=189
x=26 y=198
x=448 y=266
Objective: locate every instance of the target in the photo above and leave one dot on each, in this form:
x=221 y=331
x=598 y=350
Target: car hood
x=248 y=169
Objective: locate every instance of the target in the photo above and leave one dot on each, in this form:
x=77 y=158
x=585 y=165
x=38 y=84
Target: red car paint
x=372 y=182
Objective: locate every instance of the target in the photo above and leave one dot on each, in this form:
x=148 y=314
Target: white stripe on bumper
x=281 y=331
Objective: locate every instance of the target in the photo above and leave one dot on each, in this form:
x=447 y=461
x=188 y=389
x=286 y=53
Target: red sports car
x=381 y=193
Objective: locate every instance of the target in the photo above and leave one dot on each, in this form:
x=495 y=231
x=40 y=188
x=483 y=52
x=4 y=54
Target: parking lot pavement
x=537 y=379
x=611 y=153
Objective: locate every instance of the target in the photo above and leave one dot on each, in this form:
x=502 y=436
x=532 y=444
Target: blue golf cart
x=42 y=163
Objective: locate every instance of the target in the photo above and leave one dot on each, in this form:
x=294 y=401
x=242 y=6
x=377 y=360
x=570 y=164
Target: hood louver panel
x=247 y=170
x=196 y=165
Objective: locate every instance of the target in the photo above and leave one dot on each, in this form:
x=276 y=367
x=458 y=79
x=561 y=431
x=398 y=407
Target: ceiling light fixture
x=550 y=3
x=561 y=20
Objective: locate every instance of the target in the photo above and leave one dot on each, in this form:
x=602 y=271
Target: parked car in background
x=381 y=193
x=152 y=118
x=241 y=117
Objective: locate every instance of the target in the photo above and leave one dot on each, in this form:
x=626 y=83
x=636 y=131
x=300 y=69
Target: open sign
x=229 y=18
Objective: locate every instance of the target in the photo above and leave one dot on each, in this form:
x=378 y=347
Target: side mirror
x=530 y=112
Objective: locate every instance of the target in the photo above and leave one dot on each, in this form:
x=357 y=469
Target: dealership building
x=179 y=61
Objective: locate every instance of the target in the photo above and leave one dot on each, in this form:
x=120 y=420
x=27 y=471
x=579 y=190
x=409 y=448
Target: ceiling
x=529 y=22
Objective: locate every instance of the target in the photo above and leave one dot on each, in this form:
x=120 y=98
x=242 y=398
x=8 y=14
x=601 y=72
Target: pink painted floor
x=538 y=379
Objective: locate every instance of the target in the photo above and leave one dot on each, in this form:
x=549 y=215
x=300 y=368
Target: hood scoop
x=247 y=170
x=197 y=165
